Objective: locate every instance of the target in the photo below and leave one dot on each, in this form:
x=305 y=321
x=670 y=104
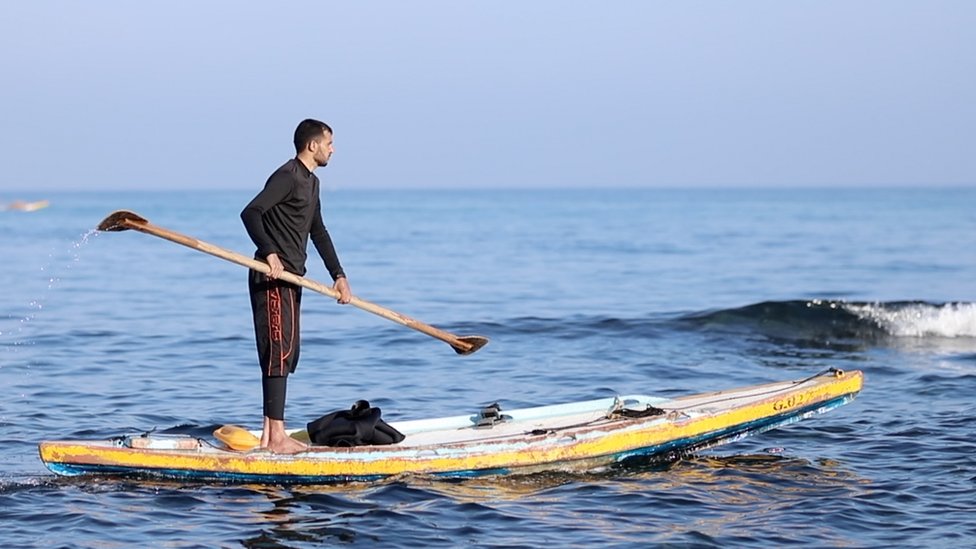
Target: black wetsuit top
x=281 y=218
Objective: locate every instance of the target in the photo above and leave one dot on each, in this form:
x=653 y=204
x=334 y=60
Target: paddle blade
x=119 y=221
x=469 y=344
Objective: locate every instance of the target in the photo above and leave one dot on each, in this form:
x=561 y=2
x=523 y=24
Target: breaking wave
x=920 y=319
x=849 y=320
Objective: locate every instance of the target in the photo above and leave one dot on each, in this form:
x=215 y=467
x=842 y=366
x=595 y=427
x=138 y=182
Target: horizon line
x=676 y=187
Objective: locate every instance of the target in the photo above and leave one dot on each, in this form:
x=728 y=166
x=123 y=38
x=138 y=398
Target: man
x=280 y=220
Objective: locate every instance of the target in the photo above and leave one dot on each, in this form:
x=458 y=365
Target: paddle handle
x=463 y=345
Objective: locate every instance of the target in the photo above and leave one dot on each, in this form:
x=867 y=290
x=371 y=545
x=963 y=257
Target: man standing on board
x=280 y=220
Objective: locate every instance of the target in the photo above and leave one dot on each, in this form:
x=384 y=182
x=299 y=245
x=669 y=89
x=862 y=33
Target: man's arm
x=275 y=190
x=323 y=244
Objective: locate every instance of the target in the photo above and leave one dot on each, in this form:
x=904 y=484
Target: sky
x=503 y=94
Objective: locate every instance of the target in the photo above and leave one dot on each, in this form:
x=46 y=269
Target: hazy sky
x=460 y=94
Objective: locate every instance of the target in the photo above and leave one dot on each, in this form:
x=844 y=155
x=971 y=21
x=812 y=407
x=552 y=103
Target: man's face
x=322 y=149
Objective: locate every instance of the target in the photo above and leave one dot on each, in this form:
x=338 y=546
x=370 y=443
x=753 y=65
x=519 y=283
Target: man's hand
x=276 y=267
x=342 y=286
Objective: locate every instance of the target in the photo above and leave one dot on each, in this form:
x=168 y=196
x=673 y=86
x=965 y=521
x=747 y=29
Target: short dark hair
x=308 y=130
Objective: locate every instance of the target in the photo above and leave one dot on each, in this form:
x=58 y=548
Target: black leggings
x=274 y=389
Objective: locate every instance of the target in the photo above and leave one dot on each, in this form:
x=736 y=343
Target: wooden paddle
x=122 y=220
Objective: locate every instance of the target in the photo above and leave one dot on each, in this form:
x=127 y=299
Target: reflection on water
x=734 y=489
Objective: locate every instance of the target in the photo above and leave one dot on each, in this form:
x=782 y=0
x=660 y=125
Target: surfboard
x=576 y=436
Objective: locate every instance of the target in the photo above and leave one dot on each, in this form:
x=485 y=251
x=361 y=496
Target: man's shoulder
x=295 y=168
x=287 y=172
x=290 y=166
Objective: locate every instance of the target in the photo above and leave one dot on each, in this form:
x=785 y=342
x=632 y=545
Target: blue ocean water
x=584 y=294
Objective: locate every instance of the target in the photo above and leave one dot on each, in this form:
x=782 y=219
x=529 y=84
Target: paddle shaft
x=459 y=344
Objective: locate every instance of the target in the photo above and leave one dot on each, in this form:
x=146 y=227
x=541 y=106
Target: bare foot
x=275 y=438
x=286 y=445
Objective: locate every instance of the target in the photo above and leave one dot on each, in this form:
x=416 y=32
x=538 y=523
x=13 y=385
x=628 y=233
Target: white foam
x=921 y=319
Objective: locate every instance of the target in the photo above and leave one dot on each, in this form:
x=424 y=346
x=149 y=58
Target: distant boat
x=20 y=205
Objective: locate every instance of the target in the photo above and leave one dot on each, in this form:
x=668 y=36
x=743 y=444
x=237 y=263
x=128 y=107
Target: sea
x=583 y=293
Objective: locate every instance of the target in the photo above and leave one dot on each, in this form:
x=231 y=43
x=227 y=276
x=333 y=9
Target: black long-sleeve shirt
x=282 y=217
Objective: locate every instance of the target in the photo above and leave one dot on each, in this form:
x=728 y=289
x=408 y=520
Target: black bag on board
x=359 y=426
